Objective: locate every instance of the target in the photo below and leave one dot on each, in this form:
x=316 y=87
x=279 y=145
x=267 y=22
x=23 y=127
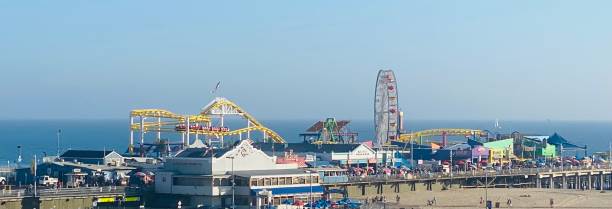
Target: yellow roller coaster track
x=216 y=107
x=224 y=105
x=159 y=113
x=440 y=132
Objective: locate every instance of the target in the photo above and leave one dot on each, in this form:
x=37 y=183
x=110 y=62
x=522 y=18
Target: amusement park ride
x=208 y=124
x=330 y=131
x=386 y=109
x=388 y=119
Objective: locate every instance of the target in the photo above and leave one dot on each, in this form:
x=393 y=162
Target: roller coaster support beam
x=222 y=125
x=248 y=126
x=142 y=130
x=159 y=128
x=131 y=148
x=186 y=143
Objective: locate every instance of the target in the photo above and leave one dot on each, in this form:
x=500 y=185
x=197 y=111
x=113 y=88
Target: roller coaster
x=209 y=123
x=408 y=137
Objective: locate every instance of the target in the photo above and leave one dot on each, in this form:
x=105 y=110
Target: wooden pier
x=590 y=178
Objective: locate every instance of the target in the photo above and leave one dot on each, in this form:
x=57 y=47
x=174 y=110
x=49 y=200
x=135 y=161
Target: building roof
x=86 y=153
x=473 y=142
x=318 y=126
x=92 y=166
x=462 y=146
x=406 y=145
x=499 y=144
x=278 y=172
x=536 y=138
x=558 y=140
x=306 y=147
x=202 y=153
x=327 y=169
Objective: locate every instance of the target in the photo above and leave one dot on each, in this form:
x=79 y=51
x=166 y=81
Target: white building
x=204 y=175
x=341 y=154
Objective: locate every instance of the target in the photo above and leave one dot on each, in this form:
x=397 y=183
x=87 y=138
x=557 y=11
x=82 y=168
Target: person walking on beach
x=397 y=199
x=552 y=202
x=481 y=201
x=509 y=203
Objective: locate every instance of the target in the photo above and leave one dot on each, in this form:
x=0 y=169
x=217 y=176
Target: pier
x=581 y=178
x=85 y=197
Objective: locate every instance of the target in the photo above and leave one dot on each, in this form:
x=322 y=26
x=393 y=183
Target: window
x=281 y=181
x=302 y=180
x=274 y=181
x=240 y=182
x=225 y=182
x=260 y=182
x=254 y=182
x=190 y=181
x=267 y=182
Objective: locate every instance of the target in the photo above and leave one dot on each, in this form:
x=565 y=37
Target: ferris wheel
x=386 y=113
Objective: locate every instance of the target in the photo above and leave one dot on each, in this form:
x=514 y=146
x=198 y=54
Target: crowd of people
x=432 y=168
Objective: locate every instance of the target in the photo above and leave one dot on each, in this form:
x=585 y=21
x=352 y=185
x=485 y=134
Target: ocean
x=39 y=136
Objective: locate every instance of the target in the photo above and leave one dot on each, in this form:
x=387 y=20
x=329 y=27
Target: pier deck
x=581 y=178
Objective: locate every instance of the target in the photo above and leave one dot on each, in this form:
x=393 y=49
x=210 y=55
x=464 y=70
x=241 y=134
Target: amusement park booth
x=500 y=150
x=479 y=153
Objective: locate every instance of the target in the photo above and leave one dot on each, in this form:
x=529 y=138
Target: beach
x=521 y=198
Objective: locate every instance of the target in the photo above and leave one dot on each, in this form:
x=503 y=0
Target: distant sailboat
x=497 y=126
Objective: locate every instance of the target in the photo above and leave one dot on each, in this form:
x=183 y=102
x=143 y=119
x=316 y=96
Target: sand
x=521 y=198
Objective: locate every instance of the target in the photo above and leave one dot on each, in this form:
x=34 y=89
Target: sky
x=454 y=60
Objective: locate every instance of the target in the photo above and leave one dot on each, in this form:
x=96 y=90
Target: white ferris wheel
x=386 y=112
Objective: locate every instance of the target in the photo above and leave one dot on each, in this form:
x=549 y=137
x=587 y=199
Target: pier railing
x=63 y=191
x=474 y=173
x=81 y=190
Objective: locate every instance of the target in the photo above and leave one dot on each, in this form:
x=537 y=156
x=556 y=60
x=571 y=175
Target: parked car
x=47 y=181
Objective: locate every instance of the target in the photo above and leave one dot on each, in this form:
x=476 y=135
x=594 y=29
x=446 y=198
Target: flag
x=216 y=88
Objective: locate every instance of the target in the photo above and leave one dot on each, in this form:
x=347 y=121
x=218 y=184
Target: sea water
x=40 y=136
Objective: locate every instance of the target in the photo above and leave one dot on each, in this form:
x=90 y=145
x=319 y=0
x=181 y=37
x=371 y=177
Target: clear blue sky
x=528 y=60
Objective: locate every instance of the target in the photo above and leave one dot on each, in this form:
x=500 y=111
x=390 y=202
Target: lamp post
x=34 y=165
x=561 y=153
x=609 y=154
x=310 y=194
x=18 y=155
x=59 y=132
x=233 y=184
x=412 y=154
x=486 y=187
x=451 y=168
